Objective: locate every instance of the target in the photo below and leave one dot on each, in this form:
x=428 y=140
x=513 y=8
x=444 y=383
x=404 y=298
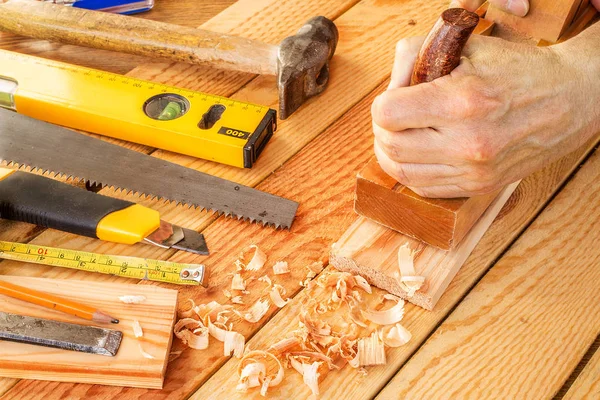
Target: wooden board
x=547 y=19
x=128 y=368
x=587 y=384
x=537 y=308
x=370 y=250
x=442 y=223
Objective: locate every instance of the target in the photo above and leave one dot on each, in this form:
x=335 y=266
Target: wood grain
x=534 y=310
x=587 y=384
x=442 y=223
x=547 y=19
x=128 y=368
x=370 y=250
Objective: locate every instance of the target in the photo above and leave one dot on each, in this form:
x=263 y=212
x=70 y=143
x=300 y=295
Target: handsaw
x=29 y=143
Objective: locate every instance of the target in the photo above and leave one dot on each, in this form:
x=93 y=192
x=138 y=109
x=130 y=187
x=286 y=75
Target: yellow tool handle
x=43 y=201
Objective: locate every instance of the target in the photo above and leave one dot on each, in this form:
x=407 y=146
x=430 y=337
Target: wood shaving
x=257 y=311
x=395 y=336
x=192 y=333
x=227 y=293
x=281 y=267
x=232 y=341
x=310 y=373
x=236 y=300
x=276 y=292
x=266 y=280
x=238 y=283
x=253 y=373
x=144 y=353
x=258 y=259
x=132 y=299
x=285 y=345
x=314 y=269
x=371 y=351
x=137 y=329
x=387 y=317
x=410 y=282
x=363 y=284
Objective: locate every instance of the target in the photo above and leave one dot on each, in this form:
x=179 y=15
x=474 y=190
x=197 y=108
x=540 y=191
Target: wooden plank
x=442 y=223
x=535 y=310
x=547 y=19
x=370 y=250
x=227 y=239
x=129 y=367
x=587 y=384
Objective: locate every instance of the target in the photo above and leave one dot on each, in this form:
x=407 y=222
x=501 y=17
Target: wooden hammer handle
x=442 y=48
x=138 y=36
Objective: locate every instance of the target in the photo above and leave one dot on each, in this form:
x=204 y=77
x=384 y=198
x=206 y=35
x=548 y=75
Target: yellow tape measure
x=183 y=121
x=127 y=267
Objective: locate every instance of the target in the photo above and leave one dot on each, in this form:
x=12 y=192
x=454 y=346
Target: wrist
x=580 y=61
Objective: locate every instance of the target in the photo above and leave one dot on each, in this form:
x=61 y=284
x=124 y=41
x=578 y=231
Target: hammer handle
x=138 y=36
x=442 y=48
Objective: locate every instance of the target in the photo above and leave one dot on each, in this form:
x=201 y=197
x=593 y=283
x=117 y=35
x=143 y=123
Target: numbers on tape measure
x=129 y=267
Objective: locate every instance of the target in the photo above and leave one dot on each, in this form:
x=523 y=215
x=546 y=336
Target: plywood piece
x=547 y=19
x=587 y=384
x=442 y=223
x=128 y=368
x=532 y=317
x=370 y=250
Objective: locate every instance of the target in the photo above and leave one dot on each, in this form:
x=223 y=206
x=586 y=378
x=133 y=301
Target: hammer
x=300 y=62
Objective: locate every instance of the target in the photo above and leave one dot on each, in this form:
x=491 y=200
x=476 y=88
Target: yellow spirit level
x=165 y=117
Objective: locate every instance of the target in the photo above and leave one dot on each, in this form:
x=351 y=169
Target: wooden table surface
x=520 y=320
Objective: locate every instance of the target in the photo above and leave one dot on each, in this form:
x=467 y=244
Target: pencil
x=56 y=303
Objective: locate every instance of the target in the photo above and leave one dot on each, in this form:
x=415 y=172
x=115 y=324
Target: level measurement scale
x=124 y=266
x=188 y=122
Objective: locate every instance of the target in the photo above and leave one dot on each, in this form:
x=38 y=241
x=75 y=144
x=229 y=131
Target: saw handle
x=101 y=30
x=442 y=48
x=46 y=202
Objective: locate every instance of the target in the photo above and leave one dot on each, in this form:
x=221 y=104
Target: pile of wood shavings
x=341 y=330
x=331 y=333
x=199 y=322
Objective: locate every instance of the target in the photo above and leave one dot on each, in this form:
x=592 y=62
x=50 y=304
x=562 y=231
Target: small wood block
x=547 y=19
x=156 y=316
x=439 y=222
x=370 y=250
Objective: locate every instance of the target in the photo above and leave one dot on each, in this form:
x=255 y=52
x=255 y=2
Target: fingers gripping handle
x=442 y=48
x=42 y=201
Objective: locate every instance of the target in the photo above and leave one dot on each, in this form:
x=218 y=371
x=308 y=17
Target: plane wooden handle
x=47 y=21
x=442 y=48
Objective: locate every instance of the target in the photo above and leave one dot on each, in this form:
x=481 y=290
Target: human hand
x=519 y=8
x=506 y=111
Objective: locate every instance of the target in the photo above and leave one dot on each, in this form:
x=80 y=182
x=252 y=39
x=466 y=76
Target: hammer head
x=303 y=63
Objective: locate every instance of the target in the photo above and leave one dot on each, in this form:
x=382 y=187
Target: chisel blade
x=39 y=146
x=60 y=335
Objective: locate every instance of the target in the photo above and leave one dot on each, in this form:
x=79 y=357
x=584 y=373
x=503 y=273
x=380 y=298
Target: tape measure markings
x=124 y=266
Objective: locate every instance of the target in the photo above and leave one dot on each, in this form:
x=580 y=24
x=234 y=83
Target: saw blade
x=29 y=143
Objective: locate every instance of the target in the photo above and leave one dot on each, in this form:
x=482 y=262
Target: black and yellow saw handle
x=46 y=202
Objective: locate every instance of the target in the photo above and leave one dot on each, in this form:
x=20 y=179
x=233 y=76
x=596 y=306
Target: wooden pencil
x=56 y=303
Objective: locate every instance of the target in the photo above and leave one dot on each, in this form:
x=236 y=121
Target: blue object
x=114 y=6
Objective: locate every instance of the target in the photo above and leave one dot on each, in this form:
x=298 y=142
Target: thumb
x=520 y=8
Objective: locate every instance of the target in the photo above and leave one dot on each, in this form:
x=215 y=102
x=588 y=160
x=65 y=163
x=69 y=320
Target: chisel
x=60 y=335
x=46 y=202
